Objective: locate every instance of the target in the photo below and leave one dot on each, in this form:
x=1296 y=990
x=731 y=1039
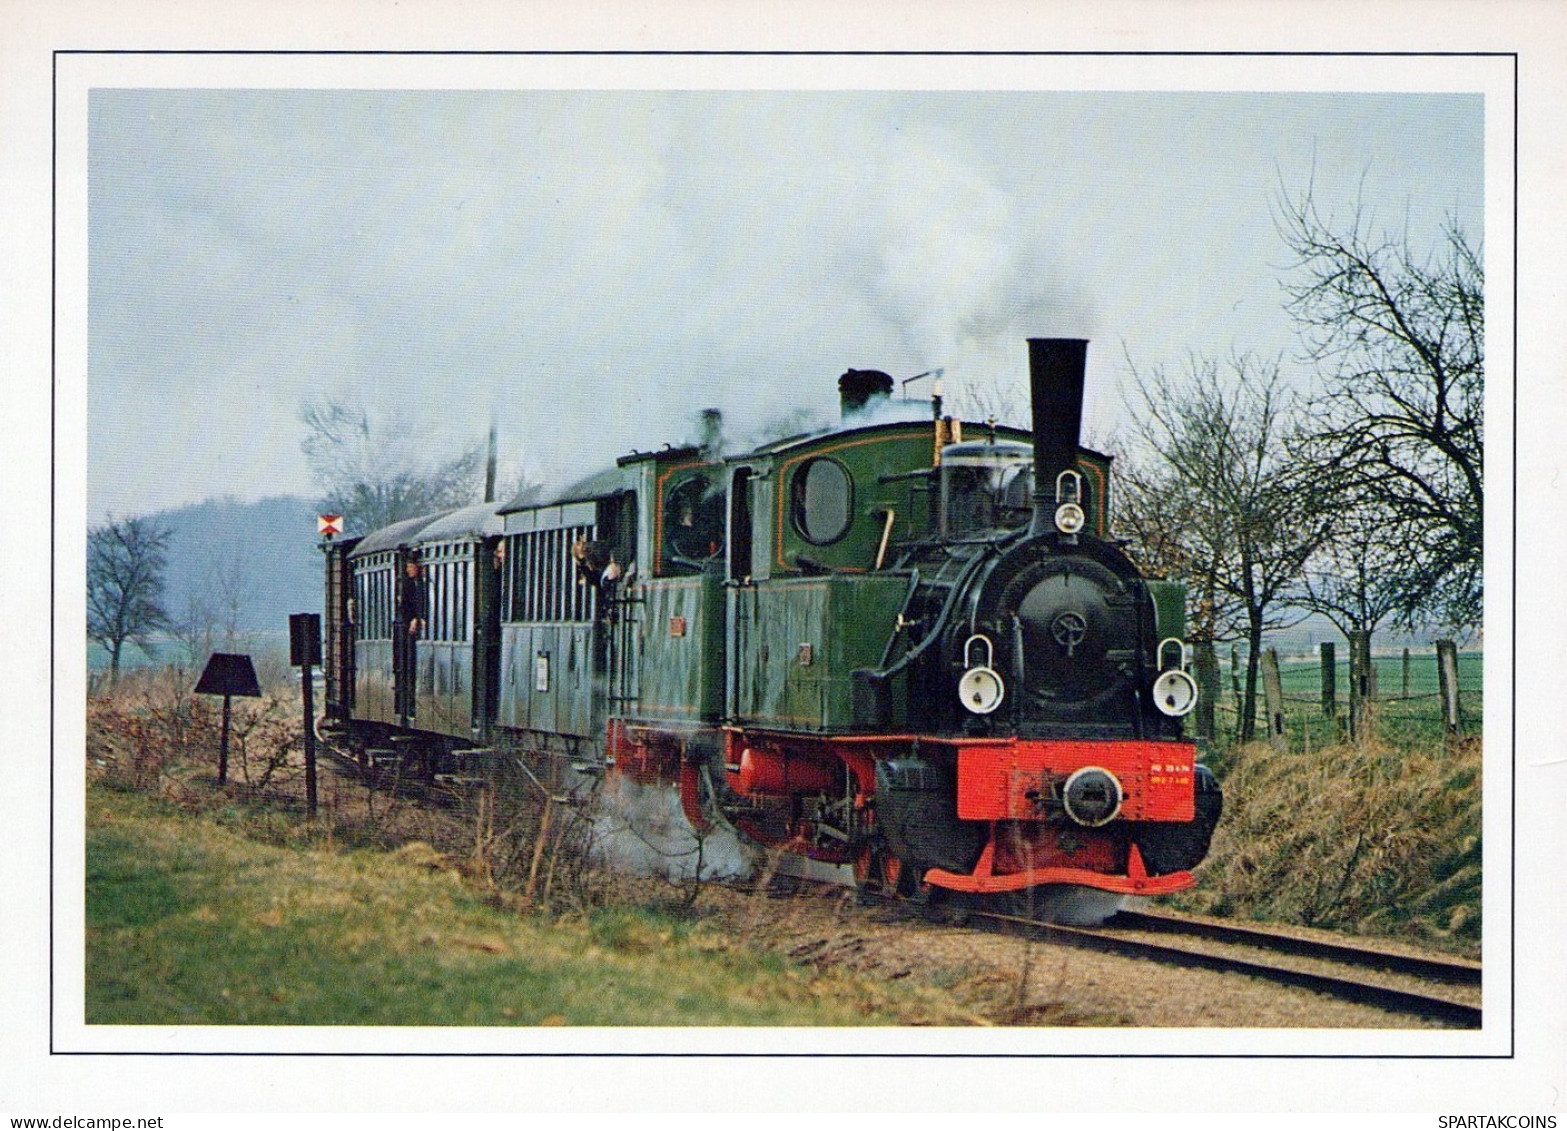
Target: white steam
x=1073 y=906
x=830 y=235
x=641 y=829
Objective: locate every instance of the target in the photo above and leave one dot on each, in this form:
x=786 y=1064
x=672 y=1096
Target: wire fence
x=1316 y=708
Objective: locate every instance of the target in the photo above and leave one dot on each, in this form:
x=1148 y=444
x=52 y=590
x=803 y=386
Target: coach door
x=339 y=644
x=489 y=561
x=411 y=603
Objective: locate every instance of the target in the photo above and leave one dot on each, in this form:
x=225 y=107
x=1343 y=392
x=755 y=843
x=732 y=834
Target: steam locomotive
x=909 y=650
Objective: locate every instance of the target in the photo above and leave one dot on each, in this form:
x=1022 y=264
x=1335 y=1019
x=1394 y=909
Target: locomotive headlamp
x=981 y=689
x=1175 y=693
x=1069 y=498
x=1092 y=796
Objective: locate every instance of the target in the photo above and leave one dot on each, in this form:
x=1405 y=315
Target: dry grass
x=1365 y=839
x=483 y=912
x=1373 y=840
x=152 y=734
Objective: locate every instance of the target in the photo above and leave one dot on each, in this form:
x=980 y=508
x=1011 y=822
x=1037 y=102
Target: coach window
x=822 y=495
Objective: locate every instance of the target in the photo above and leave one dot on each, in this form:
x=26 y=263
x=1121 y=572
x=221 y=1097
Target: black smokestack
x=858 y=387
x=1056 y=368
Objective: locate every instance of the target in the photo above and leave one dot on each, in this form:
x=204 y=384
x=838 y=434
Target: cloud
x=595 y=267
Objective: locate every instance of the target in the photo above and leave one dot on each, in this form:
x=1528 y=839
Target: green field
x=1402 y=718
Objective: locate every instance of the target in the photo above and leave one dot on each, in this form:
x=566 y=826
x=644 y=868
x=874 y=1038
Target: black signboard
x=304 y=639
x=229 y=673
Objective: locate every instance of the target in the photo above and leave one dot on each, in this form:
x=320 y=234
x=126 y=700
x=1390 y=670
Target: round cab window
x=823 y=500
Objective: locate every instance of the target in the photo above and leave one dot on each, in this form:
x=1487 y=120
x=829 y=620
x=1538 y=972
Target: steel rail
x=1432 y=969
x=1456 y=1013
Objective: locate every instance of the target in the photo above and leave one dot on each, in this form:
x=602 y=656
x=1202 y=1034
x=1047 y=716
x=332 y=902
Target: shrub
x=1364 y=839
x=152 y=733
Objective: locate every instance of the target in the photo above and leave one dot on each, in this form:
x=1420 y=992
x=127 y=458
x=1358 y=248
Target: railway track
x=1445 y=990
x=1442 y=990
x=1450 y=971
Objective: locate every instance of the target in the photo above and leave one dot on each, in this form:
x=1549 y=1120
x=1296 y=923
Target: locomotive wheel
x=868 y=872
x=937 y=904
x=878 y=872
x=895 y=876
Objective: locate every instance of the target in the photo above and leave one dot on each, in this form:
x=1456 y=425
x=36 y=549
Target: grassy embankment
x=1378 y=838
x=191 y=921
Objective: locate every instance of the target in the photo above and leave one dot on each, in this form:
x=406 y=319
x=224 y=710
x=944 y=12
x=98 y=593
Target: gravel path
x=1011 y=981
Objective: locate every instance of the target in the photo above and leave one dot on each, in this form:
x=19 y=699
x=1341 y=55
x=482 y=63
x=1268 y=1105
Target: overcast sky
x=595 y=267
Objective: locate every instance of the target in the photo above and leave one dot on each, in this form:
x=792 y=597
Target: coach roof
x=477 y=521
x=393 y=536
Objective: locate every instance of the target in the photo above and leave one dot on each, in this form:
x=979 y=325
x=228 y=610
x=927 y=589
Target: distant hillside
x=260 y=557
x=1303 y=638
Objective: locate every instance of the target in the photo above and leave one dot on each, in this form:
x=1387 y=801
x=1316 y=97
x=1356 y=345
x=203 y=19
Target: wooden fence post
x=1329 y=679
x=1447 y=679
x=1206 y=665
x=1405 y=692
x=1356 y=692
x=1362 y=685
x=1235 y=689
x=1273 y=690
x=1367 y=667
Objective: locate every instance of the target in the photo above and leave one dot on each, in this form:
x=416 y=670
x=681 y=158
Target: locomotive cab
x=985 y=486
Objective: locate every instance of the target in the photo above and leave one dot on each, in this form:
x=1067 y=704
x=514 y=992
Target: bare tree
x=1173 y=536
x=1003 y=400
x=195 y=628
x=375 y=473
x=1355 y=578
x=232 y=587
x=1214 y=495
x=1400 y=338
x=215 y=613
x=125 y=563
